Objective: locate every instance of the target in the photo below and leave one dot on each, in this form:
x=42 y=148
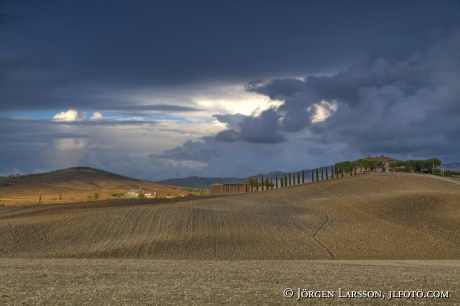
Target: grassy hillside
x=381 y=216
x=74 y=186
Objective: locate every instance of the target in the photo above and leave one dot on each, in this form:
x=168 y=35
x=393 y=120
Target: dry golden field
x=379 y=232
x=73 y=186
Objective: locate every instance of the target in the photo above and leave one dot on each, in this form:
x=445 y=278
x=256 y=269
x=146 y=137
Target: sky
x=168 y=89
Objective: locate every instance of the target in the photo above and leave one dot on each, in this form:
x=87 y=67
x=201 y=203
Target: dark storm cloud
x=232 y=121
x=67 y=55
x=145 y=57
x=260 y=129
x=379 y=105
x=6 y=19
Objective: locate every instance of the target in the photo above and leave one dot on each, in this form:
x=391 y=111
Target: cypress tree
x=271 y=182
x=290 y=179
x=298 y=178
x=322 y=177
x=317 y=175
x=303 y=176
x=327 y=175
x=262 y=183
x=312 y=175
x=332 y=172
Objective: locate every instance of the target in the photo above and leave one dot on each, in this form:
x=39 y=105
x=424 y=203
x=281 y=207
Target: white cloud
x=96 y=116
x=323 y=110
x=67 y=144
x=70 y=115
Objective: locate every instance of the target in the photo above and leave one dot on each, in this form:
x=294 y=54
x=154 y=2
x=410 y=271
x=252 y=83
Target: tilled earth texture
x=185 y=282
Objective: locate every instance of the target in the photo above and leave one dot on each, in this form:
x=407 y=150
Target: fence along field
x=385 y=216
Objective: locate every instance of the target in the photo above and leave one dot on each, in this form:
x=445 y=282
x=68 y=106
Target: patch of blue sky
x=35 y=114
x=49 y=114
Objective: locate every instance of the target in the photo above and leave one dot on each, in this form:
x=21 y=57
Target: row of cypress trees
x=288 y=179
x=335 y=171
x=339 y=169
x=292 y=179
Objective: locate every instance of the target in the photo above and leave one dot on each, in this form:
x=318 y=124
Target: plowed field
x=368 y=217
x=185 y=282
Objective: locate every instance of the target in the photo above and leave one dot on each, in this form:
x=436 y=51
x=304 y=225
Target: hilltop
x=379 y=216
x=74 y=185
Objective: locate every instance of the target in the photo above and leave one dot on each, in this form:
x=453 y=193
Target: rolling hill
x=74 y=185
x=380 y=216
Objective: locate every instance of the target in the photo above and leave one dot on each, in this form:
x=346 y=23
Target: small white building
x=151 y=195
x=134 y=192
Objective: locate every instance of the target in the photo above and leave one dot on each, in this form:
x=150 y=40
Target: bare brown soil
x=184 y=282
x=382 y=216
x=73 y=186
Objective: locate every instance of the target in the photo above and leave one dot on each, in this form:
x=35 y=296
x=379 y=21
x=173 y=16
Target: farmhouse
x=385 y=160
x=134 y=192
x=15 y=176
x=230 y=188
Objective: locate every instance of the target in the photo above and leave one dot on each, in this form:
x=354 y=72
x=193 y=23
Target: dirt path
x=444 y=179
x=321 y=226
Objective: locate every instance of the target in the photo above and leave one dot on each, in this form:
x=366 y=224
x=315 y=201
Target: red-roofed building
x=385 y=160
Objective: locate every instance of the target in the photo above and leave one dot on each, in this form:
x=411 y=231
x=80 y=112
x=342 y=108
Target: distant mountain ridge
x=451 y=166
x=201 y=182
x=206 y=182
